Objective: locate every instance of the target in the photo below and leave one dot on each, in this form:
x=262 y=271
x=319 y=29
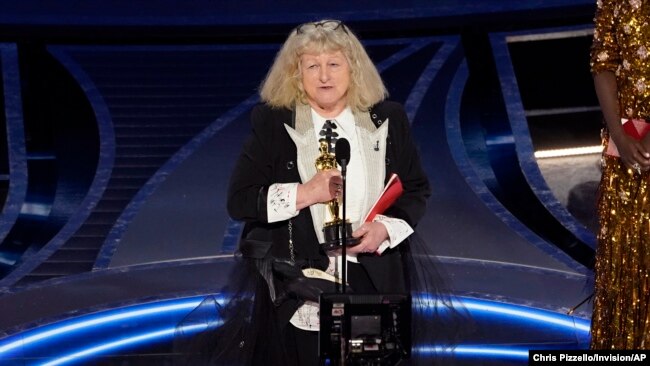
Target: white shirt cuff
x=281 y=202
x=397 y=229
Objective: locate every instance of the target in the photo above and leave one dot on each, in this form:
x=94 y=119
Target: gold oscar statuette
x=334 y=229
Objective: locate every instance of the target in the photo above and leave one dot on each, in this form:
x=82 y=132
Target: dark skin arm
x=630 y=150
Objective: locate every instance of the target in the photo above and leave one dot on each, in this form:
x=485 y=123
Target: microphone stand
x=344 y=166
x=344 y=171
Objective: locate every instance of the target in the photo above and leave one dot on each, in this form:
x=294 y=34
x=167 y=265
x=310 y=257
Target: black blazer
x=269 y=156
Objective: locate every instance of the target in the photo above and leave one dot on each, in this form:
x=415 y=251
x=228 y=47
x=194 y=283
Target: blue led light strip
x=475 y=351
x=516 y=311
x=97 y=320
x=542 y=316
x=36 y=337
x=121 y=343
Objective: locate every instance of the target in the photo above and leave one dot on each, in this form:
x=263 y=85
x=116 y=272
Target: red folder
x=388 y=196
x=635 y=128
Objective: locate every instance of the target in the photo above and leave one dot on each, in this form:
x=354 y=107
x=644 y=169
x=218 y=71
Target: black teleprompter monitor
x=358 y=329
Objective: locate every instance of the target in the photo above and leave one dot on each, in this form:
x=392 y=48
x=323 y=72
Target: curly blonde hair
x=282 y=86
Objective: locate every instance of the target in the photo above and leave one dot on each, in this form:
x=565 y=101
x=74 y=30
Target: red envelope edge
x=392 y=191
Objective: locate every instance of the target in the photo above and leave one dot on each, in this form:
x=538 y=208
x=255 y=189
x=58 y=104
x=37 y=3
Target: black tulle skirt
x=241 y=325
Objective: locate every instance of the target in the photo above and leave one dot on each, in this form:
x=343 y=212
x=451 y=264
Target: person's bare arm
x=630 y=150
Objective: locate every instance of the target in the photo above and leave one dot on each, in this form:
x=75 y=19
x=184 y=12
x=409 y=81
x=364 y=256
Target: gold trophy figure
x=335 y=228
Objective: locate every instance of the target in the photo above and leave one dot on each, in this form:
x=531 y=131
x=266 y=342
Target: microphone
x=342 y=149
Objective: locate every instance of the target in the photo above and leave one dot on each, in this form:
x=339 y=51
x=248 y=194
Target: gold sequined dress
x=621 y=316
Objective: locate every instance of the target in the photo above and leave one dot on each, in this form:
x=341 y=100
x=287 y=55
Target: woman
x=621 y=67
x=321 y=88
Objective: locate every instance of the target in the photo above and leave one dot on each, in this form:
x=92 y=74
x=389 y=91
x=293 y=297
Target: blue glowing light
x=490 y=351
x=96 y=320
x=521 y=312
x=130 y=341
x=165 y=314
x=121 y=343
x=476 y=306
x=475 y=351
